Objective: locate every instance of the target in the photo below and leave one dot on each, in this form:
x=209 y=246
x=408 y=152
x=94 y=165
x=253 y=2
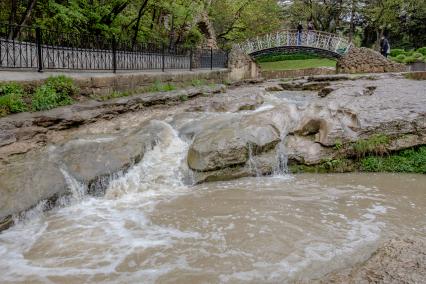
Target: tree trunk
x=136 y=27
x=12 y=17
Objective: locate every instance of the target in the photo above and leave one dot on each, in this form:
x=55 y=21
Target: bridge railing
x=313 y=39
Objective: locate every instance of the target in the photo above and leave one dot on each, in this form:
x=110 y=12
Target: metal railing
x=313 y=39
x=40 y=49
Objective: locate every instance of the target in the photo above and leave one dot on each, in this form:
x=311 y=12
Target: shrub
x=411 y=59
x=417 y=55
x=11 y=99
x=396 y=52
x=62 y=85
x=400 y=58
x=422 y=50
x=46 y=97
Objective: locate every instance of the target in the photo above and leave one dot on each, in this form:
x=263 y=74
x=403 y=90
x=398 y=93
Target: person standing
x=384 y=46
x=299 y=33
x=310 y=33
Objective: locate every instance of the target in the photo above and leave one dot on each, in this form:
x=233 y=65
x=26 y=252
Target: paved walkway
x=19 y=75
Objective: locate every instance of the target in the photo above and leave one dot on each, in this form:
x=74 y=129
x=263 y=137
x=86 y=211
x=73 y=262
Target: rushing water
x=151 y=227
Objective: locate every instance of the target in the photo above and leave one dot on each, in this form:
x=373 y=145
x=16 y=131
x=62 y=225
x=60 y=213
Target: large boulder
x=233 y=143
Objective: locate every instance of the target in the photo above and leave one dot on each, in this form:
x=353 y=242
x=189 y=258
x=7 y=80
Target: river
x=151 y=227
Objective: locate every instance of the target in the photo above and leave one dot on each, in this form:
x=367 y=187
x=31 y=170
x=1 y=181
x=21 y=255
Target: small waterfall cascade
x=281 y=167
x=252 y=162
x=163 y=168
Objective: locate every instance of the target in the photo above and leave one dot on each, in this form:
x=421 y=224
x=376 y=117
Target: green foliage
x=160 y=87
x=338 y=144
x=422 y=50
x=407 y=161
x=11 y=99
x=46 y=97
x=63 y=86
x=56 y=91
x=412 y=59
x=376 y=145
x=397 y=51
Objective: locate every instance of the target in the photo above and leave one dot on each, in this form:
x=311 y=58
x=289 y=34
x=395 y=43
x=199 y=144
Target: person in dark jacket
x=299 y=33
x=384 y=46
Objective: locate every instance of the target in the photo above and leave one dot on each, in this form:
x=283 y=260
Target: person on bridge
x=299 y=33
x=310 y=33
x=384 y=46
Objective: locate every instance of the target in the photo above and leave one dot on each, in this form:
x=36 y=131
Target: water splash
x=162 y=168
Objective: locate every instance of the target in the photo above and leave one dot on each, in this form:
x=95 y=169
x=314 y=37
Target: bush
x=400 y=58
x=63 y=86
x=396 y=52
x=422 y=50
x=11 y=99
x=46 y=97
x=417 y=55
x=411 y=59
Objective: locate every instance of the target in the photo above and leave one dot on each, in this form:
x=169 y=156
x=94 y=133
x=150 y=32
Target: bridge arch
x=289 y=41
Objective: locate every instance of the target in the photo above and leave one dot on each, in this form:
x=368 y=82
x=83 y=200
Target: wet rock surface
x=244 y=132
x=396 y=261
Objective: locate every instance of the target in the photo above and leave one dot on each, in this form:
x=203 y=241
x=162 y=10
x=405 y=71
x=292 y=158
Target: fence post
x=163 y=58
x=191 y=57
x=211 y=58
x=39 y=49
x=114 y=54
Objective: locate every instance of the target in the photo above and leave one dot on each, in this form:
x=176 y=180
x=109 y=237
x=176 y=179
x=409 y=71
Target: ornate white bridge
x=290 y=41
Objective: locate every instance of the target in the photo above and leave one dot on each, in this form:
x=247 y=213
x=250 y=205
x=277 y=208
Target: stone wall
x=297 y=73
x=242 y=66
x=366 y=60
x=106 y=83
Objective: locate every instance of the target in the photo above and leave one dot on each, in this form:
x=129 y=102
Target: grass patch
x=407 y=161
x=297 y=64
x=283 y=57
x=376 y=144
x=160 y=87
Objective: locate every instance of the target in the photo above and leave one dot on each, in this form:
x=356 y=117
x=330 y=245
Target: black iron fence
x=40 y=49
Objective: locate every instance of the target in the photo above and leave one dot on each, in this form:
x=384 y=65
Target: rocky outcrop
x=396 y=261
x=366 y=60
x=91 y=160
x=232 y=144
x=242 y=66
x=34 y=126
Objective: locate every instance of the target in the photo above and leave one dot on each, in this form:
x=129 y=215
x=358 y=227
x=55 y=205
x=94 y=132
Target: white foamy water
x=152 y=228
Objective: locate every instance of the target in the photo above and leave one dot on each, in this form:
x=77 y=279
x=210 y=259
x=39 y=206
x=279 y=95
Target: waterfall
x=162 y=168
x=281 y=167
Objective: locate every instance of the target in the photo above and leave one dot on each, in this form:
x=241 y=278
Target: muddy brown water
x=253 y=230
